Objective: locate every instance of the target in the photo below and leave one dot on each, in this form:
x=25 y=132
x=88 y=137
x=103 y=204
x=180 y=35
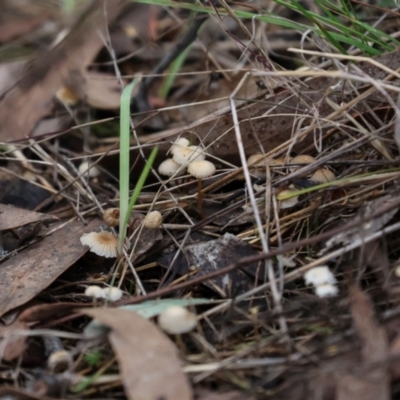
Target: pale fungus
x=94 y=291
x=301 y=159
x=87 y=169
x=256 y=160
x=112 y=294
x=103 y=243
x=318 y=276
x=176 y=320
x=289 y=202
x=326 y=290
x=152 y=220
x=67 y=96
x=169 y=168
x=200 y=170
x=323 y=175
x=190 y=154
x=111 y=217
x=178 y=144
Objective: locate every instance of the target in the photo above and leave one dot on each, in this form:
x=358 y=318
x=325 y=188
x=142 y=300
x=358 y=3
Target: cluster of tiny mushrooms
x=177 y=319
x=257 y=164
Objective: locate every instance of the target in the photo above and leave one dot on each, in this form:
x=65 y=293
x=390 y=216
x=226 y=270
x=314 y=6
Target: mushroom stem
x=200 y=199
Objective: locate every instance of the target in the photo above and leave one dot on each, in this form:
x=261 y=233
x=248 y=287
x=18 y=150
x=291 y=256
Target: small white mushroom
x=111 y=217
x=318 y=276
x=94 y=291
x=85 y=168
x=201 y=169
x=152 y=220
x=290 y=202
x=112 y=293
x=176 y=320
x=178 y=144
x=103 y=243
x=188 y=154
x=169 y=168
x=326 y=290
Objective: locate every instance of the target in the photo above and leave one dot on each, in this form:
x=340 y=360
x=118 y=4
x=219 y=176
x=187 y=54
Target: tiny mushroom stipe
x=111 y=217
x=200 y=170
x=176 y=320
x=152 y=220
x=102 y=243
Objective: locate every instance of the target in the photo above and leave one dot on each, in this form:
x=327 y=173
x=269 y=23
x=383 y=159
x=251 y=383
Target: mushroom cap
x=288 y=203
x=67 y=96
x=318 y=276
x=93 y=172
x=256 y=160
x=185 y=155
x=111 y=216
x=301 y=159
x=169 y=168
x=59 y=361
x=323 y=175
x=178 y=144
x=103 y=243
x=201 y=169
x=326 y=290
x=176 y=320
x=94 y=291
x=112 y=293
x=152 y=220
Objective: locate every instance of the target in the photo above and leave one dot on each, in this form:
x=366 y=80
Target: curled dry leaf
x=148 y=360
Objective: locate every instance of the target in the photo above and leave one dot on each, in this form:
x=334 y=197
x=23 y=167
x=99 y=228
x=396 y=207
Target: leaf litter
x=240 y=264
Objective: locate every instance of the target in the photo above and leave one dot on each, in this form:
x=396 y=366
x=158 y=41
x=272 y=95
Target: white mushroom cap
x=111 y=216
x=188 y=154
x=94 y=291
x=84 y=167
x=101 y=243
x=326 y=290
x=301 y=159
x=152 y=220
x=323 y=175
x=201 y=169
x=169 y=168
x=178 y=144
x=318 y=276
x=176 y=320
x=288 y=203
x=112 y=293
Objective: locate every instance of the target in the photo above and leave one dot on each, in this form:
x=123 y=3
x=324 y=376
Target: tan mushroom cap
x=188 y=154
x=103 y=243
x=152 y=220
x=169 y=168
x=256 y=160
x=288 y=203
x=201 y=169
x=111 y=217
x=67 y=96
x=178 y=144
x=323 y=175
x=176 y=320
x=301 y=159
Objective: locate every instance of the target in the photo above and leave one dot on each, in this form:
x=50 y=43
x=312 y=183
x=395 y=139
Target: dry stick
x=188 y=38
x=263 y=256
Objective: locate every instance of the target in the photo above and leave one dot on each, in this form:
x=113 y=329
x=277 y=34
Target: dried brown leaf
x=150 y=367
x=19 y=394
x=55 y=69
x=36 y=267
x=13 y=217
x=12 y=345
